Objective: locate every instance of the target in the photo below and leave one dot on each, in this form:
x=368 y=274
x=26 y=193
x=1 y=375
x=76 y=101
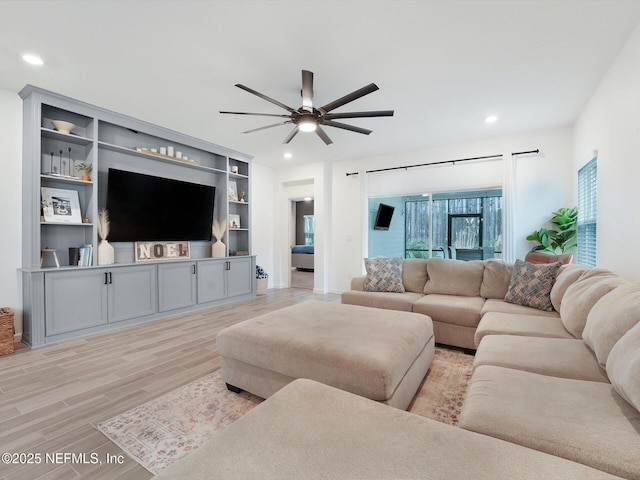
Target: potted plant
x=86 y=168
x=563 y=237
x=262 y=278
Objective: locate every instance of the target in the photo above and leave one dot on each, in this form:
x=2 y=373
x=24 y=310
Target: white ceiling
x=442 y=65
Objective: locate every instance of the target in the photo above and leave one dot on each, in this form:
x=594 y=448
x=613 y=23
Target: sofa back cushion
x=623 y=366
x=567 y=275
x=531 y=284
x=383 y=275
x=454 y=277
x=495 y=279
x=583 y=294
x=414 y=274
x=610 y=318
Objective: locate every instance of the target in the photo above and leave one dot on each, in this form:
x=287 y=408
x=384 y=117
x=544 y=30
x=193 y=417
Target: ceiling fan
x=307 y=118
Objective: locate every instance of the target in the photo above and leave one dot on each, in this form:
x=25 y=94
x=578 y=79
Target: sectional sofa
x=555 y=391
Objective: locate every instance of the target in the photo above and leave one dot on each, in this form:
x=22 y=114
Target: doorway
x=302 y=244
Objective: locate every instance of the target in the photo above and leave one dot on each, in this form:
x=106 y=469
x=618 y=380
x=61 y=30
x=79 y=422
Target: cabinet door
x=176 y=285
x=132 y=292
x=239 y=277
x=211 y=276
x=74 y=300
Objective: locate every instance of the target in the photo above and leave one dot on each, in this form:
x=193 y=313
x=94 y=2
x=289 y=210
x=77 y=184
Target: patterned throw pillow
x=531 y=284
x=383 y=275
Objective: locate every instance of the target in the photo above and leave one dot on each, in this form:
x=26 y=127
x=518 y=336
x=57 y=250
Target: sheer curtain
x=508 y=207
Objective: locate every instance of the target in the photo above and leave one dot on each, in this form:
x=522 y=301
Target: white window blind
x=587 y=213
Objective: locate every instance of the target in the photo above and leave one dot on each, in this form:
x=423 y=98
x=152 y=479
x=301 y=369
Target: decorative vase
x=86 y=178
x=106 y=253
x=218 y=250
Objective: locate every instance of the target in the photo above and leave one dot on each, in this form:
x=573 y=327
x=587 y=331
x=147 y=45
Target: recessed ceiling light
x=307 y=199
x=32 y=59
x=288 y=155
x=491 y=119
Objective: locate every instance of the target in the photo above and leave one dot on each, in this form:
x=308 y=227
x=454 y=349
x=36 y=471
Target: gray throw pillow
x=383 y=275
x=531 y=284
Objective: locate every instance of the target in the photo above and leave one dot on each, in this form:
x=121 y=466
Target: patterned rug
x=163 y=430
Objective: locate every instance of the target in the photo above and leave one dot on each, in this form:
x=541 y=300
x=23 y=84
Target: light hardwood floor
x=52 y=398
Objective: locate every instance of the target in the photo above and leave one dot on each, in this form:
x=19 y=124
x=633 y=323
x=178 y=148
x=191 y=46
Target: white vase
x=218 y=250
x=105 y=253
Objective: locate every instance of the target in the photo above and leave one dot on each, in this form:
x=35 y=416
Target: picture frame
x=60 y=205
x=233 y=192
x=234 y=221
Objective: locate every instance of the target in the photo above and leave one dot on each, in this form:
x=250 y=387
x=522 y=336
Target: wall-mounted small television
x=383 y=217
x=148 y=208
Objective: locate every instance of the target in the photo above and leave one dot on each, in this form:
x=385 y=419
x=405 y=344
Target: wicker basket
x=6 y=331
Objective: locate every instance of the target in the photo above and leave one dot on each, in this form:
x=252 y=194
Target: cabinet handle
x=194 y=268
x=110 y=279
x=106 y=278
x=228 y=266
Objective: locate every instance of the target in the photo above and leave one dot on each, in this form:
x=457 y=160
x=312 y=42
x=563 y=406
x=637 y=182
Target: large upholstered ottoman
x=380 y=354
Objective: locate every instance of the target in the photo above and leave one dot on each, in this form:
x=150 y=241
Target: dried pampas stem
x=218 y=228
x=103 y=224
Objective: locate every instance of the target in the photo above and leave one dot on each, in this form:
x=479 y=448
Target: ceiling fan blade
x=377 y=113
x=264 y=128
x=293 y=133
x=344 y=126
x=322 y=134
x=264 y=97
x=307 y=90
x=261 y=114
x=361 y=92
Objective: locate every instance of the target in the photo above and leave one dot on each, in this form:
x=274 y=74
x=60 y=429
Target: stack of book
x=86 y=255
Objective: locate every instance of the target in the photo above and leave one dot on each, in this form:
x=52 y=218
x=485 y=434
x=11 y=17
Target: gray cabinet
x=240 y=276
x=80 y=299
x=176 y=285
x=75 y=300
x=132 y=292
x=225 y=278
x=211 y=280
x=67 y=301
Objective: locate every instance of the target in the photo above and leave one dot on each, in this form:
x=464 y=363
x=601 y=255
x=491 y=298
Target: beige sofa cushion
x=314 y=432
x=567 y=275
x=609 y=319
x=531 y=285
x=414 y=274
x=497 y=323
x=586 y=422
x=390 y=301
x=623 y=367
x=557 y=357
x=454 y=277
x=496 y=305
x=383 y=275
x=495 y=278
x=582 y=295
x=455 y=309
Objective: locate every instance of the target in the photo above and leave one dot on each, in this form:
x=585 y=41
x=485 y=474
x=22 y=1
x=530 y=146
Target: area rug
x=163 y=430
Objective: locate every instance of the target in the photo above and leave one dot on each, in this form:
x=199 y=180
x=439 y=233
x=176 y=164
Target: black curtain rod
x=443 y=162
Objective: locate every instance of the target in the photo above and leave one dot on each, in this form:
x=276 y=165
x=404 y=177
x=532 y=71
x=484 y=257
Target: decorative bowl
x=62 y=126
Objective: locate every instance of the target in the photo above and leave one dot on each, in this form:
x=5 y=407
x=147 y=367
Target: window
x=466 y=224
x=587 y=209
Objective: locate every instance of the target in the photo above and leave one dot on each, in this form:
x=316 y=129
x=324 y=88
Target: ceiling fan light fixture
x=307 y=126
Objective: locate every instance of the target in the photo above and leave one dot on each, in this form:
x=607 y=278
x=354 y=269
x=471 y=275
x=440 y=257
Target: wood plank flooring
x=51 y=398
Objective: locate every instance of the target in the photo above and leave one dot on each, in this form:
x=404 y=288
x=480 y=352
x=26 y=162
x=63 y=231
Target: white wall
x=610 y=123
x=543 y=184
x=11 y=201
x=262 y=207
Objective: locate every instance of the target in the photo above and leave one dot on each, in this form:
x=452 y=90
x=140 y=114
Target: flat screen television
x=148 y=208
x=383 y=217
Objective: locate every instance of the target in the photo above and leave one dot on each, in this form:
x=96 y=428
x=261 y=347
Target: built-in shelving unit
x=104 y=140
